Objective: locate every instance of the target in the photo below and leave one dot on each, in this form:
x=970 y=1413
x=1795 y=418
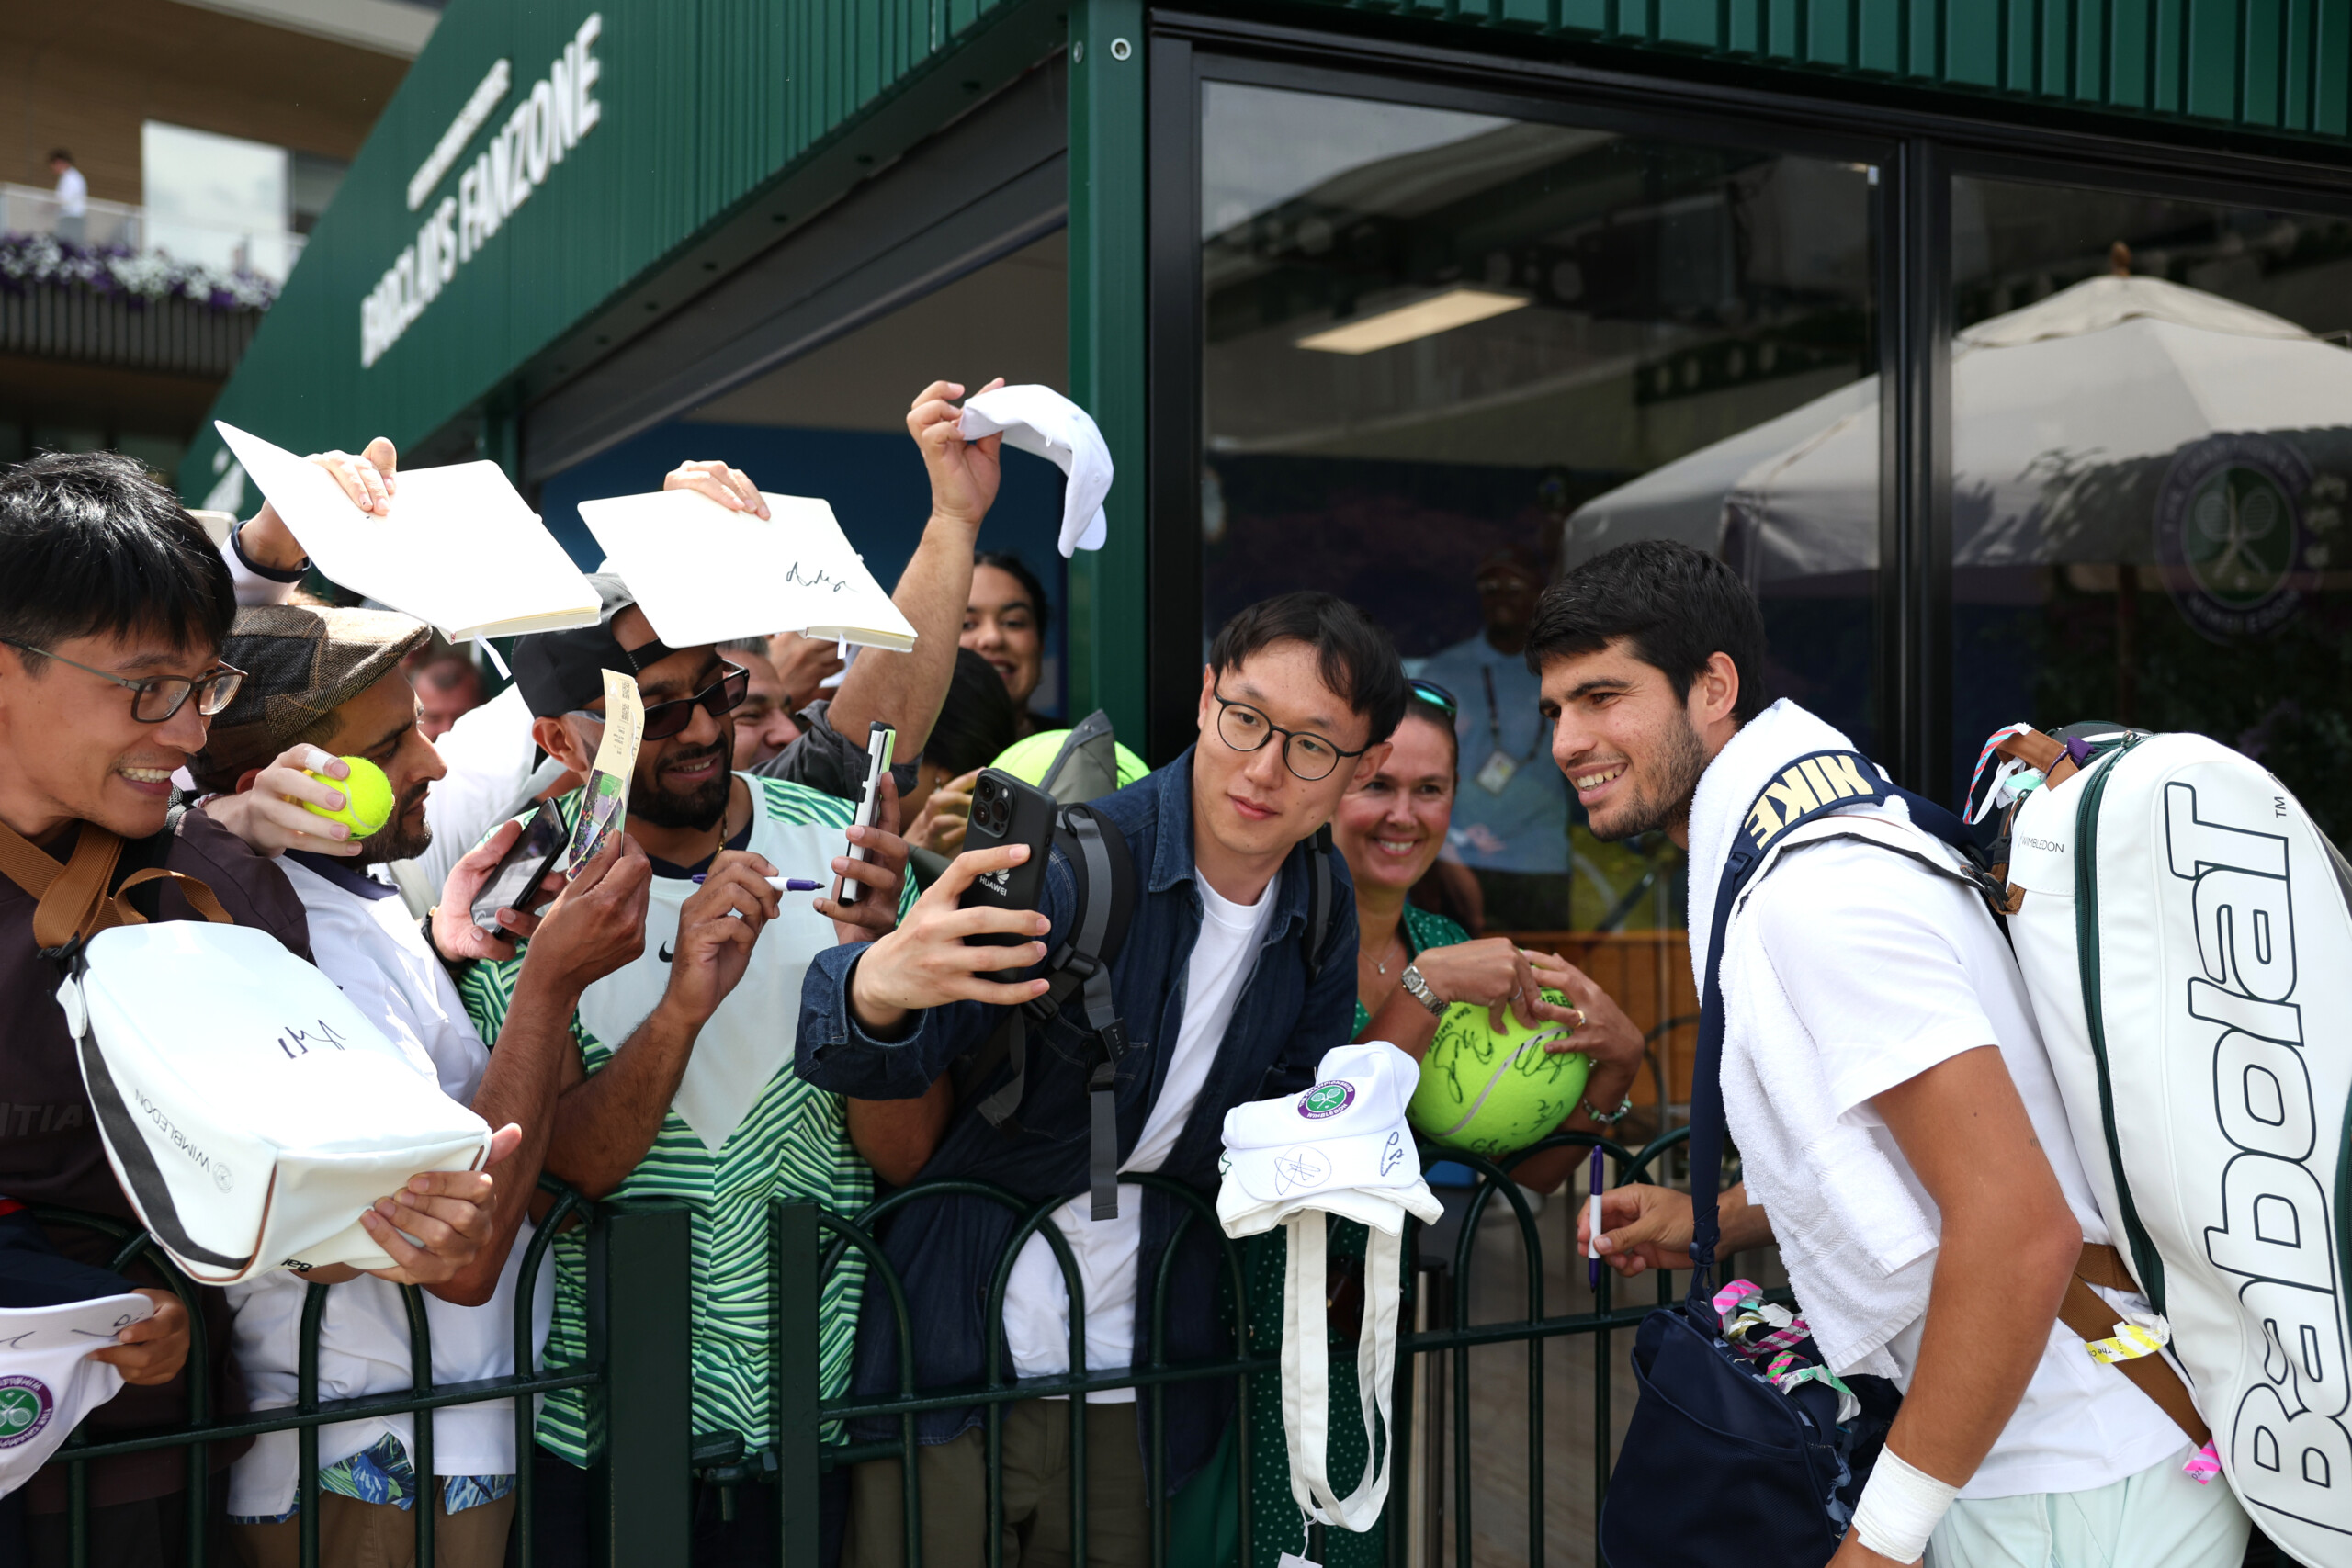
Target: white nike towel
x=1039 y=420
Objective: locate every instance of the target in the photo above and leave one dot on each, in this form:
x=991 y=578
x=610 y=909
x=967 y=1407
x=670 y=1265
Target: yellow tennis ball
x=1494 y=1094
x=367 y=798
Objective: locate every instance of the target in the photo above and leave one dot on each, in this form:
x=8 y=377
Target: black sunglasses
x=1437 y=696
x=718 y=699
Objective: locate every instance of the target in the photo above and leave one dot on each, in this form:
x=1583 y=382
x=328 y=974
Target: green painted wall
x=2273 y=64
x=702 y=103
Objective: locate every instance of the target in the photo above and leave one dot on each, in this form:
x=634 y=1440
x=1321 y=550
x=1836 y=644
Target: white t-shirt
x=73 y=193
x=1036 y=1302
x=367 y=943
x=1891 y=969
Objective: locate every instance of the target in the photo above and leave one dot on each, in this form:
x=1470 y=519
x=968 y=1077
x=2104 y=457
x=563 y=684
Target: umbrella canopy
x=2048 y=402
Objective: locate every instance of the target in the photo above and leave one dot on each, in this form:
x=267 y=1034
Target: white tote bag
x=250 y=1111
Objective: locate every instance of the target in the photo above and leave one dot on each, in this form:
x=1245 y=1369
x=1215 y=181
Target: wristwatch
x=1418 y=990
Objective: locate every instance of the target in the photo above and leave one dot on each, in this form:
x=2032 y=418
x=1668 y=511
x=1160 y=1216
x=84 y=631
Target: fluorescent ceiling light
x=1424 y=318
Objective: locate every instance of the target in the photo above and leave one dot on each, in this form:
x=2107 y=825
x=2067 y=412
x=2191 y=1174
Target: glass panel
x=1447 y=354
x=2151 y=435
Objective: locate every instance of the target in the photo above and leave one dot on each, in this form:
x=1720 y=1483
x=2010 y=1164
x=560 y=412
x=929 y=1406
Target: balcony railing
x=266 y=252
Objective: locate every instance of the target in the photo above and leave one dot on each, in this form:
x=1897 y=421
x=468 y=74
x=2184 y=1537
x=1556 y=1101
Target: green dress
x=1273 y=1515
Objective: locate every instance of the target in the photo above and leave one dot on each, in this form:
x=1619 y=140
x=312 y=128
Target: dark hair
x=1678 y=606
x=1420 y=707
x=91 y=546
x=60 y=155
x=1005 y=560
x=977 y=722
x=1352 y=654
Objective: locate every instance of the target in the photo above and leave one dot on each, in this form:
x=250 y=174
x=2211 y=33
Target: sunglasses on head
x=1437 y=696
x=718 y=699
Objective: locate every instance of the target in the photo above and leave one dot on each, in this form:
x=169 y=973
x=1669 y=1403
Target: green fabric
x=794 y=1144
x=1423 y=931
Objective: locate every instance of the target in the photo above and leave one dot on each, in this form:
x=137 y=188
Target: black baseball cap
x=561 y=671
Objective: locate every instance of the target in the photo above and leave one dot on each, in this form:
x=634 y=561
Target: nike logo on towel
x=664 y=951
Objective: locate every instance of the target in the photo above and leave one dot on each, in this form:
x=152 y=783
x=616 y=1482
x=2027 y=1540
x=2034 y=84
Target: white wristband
x=1900 y=1508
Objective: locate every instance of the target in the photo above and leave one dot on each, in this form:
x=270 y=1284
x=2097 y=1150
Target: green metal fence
x=640 y=1372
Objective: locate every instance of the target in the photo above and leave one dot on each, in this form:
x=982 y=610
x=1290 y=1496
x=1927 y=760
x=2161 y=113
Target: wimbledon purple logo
x=1326 y=1099
x=25 y=1405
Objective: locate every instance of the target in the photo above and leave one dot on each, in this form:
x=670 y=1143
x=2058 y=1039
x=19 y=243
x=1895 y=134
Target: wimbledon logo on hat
x=26 y=1405
x=1325 y=1100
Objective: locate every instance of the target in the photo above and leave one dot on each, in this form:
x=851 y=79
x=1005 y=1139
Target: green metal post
x=799 y=1282
x=640 y=1328
x=1108 y=595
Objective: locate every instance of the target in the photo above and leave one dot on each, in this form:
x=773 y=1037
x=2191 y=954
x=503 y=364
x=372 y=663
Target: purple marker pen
x=781 y=884
x=1592 y=1241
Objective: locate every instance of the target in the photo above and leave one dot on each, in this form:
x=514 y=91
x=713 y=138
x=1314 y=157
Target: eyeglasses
x=1437 y=696
x=156 y=698
x=1305 y=753
x=718 y=699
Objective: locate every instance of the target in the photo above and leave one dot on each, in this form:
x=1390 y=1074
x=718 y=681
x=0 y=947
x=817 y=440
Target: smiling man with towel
x=1902 y=1136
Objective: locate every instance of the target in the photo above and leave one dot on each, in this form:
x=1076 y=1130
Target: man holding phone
x=681 y=1087
x=1222 y=1003
x=322 y=682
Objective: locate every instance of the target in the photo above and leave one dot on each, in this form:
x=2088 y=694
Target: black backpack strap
x=1322 y=895
x=1811 y=787
x=1079 y=971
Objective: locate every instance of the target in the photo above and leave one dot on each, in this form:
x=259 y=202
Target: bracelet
x=453 y=967
x=1418 y=990
x=1623 y=1106
x=1900 y=1508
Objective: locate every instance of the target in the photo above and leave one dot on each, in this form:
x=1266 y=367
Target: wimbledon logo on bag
x=2288 y=1445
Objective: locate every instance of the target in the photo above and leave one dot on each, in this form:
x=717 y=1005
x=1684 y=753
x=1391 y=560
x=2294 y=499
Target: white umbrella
x=2109 y=371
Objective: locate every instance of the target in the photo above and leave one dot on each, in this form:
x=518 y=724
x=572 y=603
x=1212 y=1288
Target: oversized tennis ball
x=1492 y=1093
x=1028 y=759
x=367 y=798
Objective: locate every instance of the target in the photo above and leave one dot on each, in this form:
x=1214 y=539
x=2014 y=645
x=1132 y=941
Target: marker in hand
x=781 y=884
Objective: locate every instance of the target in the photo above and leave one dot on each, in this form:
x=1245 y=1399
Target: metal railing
x=639 y=1373
x=801 y=1413
x=269 y=252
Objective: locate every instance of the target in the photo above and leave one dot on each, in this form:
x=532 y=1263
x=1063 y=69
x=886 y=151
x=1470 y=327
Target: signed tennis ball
x=1492 y=1093
x=367 y=798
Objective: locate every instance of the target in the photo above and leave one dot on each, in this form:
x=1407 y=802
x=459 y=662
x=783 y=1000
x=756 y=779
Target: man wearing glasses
x=682 y=1088
x=114 y=606
x=1221 y=1003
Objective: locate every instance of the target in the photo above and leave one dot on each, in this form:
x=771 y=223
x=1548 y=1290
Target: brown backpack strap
x=71 y=899
x=2091 y=1317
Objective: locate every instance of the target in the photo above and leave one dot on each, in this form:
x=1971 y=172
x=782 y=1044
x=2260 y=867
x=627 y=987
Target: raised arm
x=904 y=690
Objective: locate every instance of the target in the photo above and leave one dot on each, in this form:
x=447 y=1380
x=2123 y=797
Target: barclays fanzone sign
x=545 y=124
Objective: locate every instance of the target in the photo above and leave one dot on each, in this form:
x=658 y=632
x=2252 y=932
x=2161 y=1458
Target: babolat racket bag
x=2185 y=934
x=250 y=1111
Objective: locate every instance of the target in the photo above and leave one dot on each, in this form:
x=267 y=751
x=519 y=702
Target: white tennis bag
x=1343 y=1148
x=250 y=1111
x=2187 y=936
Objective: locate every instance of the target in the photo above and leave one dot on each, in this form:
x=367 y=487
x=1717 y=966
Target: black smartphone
x=513 y=883
x=1007 y=811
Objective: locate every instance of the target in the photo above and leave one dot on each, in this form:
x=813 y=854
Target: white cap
x=1346 y=1132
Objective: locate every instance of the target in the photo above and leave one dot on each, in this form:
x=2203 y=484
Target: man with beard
x=685 y=1089
x=1901 y=1135
x=322 y=682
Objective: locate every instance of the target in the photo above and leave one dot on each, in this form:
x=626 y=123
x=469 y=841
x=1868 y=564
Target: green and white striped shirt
x=791 y=1141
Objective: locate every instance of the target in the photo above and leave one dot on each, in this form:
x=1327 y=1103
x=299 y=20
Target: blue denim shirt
x=946 y=1248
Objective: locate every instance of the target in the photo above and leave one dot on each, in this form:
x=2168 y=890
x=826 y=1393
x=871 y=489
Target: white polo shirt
x=367 y=943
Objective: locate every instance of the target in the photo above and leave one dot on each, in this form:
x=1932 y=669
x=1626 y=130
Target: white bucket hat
x=1342 y=1147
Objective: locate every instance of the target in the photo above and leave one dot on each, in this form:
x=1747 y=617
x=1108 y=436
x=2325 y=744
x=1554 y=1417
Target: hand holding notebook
x=455 y=545
x=704 y=573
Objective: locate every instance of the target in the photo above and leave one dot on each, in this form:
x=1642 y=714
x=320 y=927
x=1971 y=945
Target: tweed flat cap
x=301 y=662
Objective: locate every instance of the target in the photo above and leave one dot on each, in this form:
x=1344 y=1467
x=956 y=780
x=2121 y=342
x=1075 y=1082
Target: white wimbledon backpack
x=2187 y=936
x=249 y=1110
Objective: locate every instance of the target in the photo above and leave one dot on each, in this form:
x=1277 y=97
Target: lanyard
x=1495 y=717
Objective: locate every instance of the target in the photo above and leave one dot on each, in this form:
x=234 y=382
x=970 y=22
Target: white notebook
x=703 y=573
x=461 y=547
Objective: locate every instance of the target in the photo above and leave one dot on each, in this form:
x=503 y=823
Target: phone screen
x=514 y=884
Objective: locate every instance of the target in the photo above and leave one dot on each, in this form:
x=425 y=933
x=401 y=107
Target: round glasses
x=156 y=698
x=1305 y=753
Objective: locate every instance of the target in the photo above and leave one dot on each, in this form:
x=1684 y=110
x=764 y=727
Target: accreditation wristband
x=1900 y=1508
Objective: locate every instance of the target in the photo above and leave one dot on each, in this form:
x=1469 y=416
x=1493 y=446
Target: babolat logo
x=1805 y=786
x=2289 y=1448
